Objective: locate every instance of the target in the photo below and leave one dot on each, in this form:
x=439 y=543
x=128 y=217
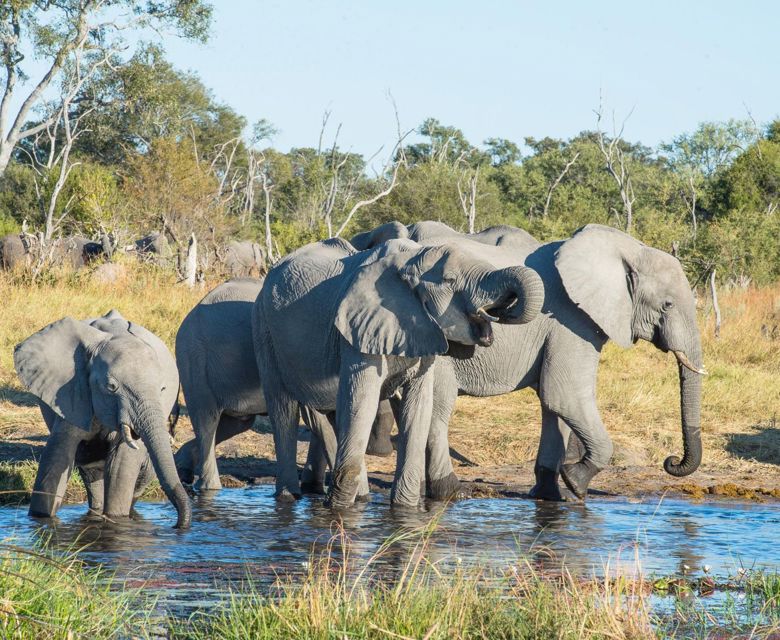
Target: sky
x=506 y=69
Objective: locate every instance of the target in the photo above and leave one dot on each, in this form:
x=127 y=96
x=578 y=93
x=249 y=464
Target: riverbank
x=50 y=595
x=493 y=440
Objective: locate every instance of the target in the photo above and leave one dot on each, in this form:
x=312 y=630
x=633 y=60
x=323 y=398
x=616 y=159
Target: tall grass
x=51 y=596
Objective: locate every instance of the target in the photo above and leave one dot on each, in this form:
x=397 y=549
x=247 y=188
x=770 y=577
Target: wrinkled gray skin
x=429 y=230
x=601 y=284
x=339 y=330
x=102 y=385
x=13 y=252
x=244 y=259
x=216 y=359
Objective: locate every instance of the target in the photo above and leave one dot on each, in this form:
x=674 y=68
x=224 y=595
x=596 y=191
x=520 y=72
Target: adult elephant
x=600 y=284
x=244 y=259
x=221 y=385
x=102 y=385
x=339 y=330
x=14 y=252
x=431 y=230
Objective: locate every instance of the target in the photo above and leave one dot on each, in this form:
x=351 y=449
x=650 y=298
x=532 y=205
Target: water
x=244 y=534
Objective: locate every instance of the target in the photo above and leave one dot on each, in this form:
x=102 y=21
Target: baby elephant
x=106 y=388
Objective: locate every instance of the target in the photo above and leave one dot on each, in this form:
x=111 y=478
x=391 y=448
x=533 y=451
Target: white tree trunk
x=191 y=266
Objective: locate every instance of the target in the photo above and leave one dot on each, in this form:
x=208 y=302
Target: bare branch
x=556 y=182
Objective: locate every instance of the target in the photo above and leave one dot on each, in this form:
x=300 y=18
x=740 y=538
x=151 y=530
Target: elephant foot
x=546 y=487
x=444 y=488
x=285 y=495
x=187 y=476
x=207 y=484
x=577 y=477
x=316 y=488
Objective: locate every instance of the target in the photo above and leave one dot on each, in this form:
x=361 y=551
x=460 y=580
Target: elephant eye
x=668 y=305
x=449 y=277
x=163 y=389
x=112 y=386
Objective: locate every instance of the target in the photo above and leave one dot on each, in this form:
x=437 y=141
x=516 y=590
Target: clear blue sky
x=500 y=68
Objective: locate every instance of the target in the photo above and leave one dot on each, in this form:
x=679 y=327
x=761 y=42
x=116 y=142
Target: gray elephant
x=14 y=252
x=77 y=252
x=427 y=230
x=106 y=388
x=153 y=248
x=339 y=330
x=244 y=258
x=221 y=385
x=599 y=285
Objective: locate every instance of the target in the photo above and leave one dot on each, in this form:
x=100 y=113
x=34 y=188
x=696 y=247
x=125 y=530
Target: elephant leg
x=92 y=477
x=317 y=458
x=552 y=446
x=568 y=389
x=414 y=423
x=284 y=414
x=357 y=403
x=440 y=479
x=205 y=424
x=145 y=476
x=331 y=445
x=54 y=469
x=227 y=428
x=123 y=468
x=379 y=443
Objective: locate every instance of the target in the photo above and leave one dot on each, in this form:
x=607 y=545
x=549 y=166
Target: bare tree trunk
x=468 y=201
x=556 y=182
x=269 y=241
x=191 y=265
x=715 y=305
x=617 y=166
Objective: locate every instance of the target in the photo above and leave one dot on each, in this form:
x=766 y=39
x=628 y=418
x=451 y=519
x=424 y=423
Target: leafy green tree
x=75 y=38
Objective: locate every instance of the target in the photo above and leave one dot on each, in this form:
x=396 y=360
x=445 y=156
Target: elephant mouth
x=504 y=308
x=129 y=436
x=481 y=329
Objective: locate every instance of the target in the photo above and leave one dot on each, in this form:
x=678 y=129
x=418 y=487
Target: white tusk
x=683 y=360
x=127 y=436
x=485 y=315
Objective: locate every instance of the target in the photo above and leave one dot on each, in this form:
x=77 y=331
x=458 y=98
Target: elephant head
x=414 y=303
x=85 y=374
x=632 y=292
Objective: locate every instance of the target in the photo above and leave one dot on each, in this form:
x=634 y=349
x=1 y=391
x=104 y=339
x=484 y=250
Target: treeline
x=130 y=146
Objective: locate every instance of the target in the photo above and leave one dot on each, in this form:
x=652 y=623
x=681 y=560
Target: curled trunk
x=690 y=409
x=518 y=292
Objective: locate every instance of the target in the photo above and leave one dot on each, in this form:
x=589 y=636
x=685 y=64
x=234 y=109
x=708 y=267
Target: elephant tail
x=173 y=417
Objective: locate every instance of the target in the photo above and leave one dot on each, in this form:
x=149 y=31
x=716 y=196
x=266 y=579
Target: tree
x=60 y=31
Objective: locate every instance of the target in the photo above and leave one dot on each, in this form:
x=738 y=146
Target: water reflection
x=242 y=533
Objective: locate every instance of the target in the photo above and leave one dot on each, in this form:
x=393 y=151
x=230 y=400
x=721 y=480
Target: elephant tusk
x=683 y=360
x=485 y=315
x=127 y=436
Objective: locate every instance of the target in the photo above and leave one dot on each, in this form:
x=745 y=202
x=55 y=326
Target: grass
x=403 y=591
x=51 y=596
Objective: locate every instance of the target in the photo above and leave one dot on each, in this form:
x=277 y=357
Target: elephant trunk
x=518 y=293
x=690 y=409
x=151 y=425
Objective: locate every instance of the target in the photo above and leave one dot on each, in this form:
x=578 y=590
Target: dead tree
x=191 y=262
x=556 y=182
x=468 y=199
x=617 y=166
x=715 y=305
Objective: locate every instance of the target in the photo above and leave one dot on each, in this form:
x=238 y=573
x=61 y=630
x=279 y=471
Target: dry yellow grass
x=638 y=390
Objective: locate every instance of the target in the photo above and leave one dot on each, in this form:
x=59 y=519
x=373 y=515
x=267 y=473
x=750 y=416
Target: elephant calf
x=221 y=385
x=106 y=388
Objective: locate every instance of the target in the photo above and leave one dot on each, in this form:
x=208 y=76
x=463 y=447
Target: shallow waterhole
x=241 y=535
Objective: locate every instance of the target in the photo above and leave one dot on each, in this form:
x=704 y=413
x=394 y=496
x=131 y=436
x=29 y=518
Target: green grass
x=50 y=596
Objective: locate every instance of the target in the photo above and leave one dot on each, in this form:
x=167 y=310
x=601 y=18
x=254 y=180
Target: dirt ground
x=490 y=464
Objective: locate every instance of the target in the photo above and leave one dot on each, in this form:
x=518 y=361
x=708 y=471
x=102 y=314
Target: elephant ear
x=595 y=268
x=381 y=313
x=54 y=365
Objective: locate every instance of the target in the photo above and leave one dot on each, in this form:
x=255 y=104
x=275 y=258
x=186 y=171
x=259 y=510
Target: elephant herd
x=351 y=337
